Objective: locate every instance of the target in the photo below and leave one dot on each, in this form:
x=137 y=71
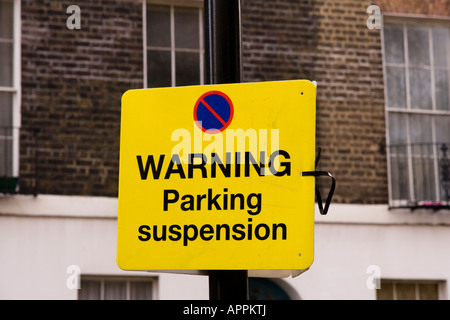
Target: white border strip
x=106 y=208
x=381 y=215
x=59 y=206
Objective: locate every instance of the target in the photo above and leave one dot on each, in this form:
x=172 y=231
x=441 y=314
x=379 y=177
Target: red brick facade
x=72 y=82
x=422 y=7
x=328 y=41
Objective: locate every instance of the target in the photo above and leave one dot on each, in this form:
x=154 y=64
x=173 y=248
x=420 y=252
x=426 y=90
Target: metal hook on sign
x=323 y=210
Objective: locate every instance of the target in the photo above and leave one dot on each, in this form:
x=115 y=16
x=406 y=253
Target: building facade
x=383 y=124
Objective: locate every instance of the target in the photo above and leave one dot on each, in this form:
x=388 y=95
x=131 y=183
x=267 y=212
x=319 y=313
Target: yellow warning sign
x=209 y=177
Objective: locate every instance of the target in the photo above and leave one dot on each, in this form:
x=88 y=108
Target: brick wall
x=426 y=7
x=72 y=83
x=328 y=41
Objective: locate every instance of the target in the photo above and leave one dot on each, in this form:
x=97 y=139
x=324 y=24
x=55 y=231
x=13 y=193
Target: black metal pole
x=223 y=41
x=223 y=65
x=228 y=285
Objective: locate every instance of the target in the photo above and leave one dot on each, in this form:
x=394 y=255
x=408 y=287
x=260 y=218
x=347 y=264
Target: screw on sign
x=213 y=112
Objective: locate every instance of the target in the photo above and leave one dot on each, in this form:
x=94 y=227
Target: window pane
x=6 y=64
x=90 y=290
x=399 y=172
x=441 y=89
x=6 y=134
x=420 y=129
x=141 y=290
x=6 y=153
x=6 y=16
x=418 y=45
x=393 y=43
x=187 y=68
x=423 y=172
x=158 y=26
x=405 y=291
x=422 y=157
x=115 y=290
x=420 y=89
x=396 y=87
x=442 y=126
x=428 y=291
x=5 y=109
x=159 y=68
x=441 y=43
x=397 y=128
x=186 y=28
x=398 y=152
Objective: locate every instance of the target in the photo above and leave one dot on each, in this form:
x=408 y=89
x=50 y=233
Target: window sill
x=430 y=205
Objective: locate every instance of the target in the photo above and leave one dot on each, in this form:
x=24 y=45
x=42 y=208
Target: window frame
x=15 y=89
x=127 y=279
x=174 y=3
x=394 y=282
x=429 y=22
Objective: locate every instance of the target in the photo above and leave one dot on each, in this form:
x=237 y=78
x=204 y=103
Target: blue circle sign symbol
x=213 y=112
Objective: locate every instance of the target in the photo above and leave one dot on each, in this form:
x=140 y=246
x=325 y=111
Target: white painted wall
x=343 y=254
x=41 y=237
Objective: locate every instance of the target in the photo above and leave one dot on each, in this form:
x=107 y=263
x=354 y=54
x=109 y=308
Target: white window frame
x=15 y=89
x=173 y=3
x=126 y=279
x=428 y=21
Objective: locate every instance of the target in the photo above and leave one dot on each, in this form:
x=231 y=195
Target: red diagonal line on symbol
x=213 y=112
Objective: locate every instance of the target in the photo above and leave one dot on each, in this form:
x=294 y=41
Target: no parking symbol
x=213 y=112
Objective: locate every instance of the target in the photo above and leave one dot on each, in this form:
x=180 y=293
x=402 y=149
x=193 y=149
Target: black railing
x=420 y=175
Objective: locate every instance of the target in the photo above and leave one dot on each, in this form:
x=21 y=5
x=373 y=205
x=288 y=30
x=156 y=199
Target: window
x=417 y=80
x=9 y=94
x=408 y=290
x=174 y=44
x=116 y=288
